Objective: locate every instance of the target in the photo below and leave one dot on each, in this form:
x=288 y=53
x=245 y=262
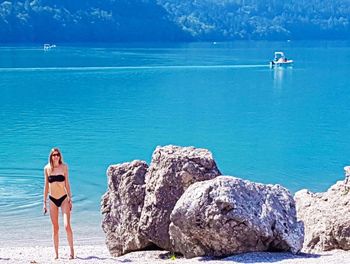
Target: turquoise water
x=107 y=105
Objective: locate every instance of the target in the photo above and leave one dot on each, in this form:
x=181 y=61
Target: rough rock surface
x=326 y=217
x=121 y=207
x=173 y=169
x=228 y=215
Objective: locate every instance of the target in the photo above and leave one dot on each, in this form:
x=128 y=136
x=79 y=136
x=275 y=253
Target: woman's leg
x=54 y=220
x=67 y=225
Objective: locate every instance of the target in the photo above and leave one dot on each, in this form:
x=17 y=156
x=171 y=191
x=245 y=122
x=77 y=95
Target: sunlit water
x=107 y=105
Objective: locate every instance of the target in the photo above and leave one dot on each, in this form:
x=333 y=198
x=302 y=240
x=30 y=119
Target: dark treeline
x=172 y=20
x=262 y=19
x=86 y=21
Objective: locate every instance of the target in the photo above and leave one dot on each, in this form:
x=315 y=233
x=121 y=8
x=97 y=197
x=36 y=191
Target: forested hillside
x=86 y=21
x=172 y=20
x=262 y=19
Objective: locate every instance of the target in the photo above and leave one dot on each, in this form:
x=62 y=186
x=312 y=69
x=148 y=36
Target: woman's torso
x=57 y=180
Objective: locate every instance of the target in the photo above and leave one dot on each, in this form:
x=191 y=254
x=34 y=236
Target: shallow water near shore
x=106 y=105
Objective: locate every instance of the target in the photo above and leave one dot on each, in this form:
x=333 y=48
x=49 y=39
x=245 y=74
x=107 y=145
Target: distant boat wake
x=98 y=68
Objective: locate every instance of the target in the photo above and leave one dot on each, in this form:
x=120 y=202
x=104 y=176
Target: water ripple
x=162 y=67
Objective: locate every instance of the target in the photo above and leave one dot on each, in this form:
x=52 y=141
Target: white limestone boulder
x=173 y=169
x=121 y=207
x=228 y=215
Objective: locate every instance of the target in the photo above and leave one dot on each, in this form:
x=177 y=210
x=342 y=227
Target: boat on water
x=280 y=60
x=49 y=46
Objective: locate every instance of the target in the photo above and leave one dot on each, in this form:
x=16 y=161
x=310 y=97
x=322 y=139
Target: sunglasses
x=56 y=155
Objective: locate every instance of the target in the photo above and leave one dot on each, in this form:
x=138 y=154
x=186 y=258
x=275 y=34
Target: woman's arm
x=67 y=185
x=46 y=189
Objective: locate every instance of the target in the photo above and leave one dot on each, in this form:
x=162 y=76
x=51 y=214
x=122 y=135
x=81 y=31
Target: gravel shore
x=100 y=254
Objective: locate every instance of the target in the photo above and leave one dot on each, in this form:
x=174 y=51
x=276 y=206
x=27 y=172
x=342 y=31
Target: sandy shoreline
x=99 y=254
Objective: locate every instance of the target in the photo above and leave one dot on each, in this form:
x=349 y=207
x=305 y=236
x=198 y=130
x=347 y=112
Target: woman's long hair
x=50 y=157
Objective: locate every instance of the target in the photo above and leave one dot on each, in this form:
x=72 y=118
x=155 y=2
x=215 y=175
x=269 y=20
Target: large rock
x=228 y=215
x=121 y=207
x=326 y=217
x=173 y=169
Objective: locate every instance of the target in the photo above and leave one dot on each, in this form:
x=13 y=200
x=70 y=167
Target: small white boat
x=280 y=60
x=49 y=46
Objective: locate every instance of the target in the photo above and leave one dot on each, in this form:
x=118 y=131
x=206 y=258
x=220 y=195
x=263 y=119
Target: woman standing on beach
x=58 y=188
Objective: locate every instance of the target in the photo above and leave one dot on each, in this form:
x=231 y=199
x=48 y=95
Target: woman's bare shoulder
x=65 y=167
x=47 y=168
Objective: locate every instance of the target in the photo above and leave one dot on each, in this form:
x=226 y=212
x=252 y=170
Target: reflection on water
x=279 y=74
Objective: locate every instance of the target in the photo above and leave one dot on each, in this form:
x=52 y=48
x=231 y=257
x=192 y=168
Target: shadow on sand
x=98 y=258
x=261 y=257
x=91 y=257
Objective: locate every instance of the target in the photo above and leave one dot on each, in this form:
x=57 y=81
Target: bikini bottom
x=58 y=202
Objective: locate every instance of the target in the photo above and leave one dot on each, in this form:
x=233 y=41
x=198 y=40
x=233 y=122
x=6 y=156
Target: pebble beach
x=100 y=254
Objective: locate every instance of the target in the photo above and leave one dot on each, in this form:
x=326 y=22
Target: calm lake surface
x=105 y=105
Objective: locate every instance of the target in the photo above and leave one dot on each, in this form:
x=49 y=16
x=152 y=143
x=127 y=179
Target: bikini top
x=56 y=178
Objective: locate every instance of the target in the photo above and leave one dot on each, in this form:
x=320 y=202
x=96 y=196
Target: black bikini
x=58 y=202
x=57 y=178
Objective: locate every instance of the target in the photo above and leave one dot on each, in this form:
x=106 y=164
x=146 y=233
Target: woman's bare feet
x=71 y=256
